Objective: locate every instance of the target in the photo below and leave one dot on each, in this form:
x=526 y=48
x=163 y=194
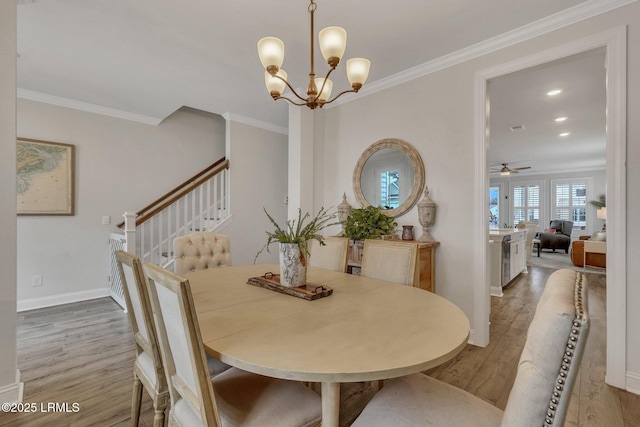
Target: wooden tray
x=309 y=292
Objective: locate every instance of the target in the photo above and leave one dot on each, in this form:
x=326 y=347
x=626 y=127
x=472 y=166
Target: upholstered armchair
x=593 y=259
x=561 y=239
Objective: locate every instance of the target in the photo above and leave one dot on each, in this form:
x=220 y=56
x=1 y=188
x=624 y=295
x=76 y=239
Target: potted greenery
x=601 y=202
x=293 y=248
x=368 y=223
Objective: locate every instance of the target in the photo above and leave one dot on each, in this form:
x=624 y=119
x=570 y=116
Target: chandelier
x=333 y=41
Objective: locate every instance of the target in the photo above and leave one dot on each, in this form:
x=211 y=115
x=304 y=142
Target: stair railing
x=200 y=203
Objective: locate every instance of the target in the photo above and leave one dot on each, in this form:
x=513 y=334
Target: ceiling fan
x=506 y=170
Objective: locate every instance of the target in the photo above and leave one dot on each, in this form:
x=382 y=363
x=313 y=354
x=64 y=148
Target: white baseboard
x=12 y=393
x=49 y=301
x=633 y=382
x=496 y=291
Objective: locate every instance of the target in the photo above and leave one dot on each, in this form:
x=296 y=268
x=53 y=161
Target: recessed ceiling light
x=554 y=92
x=564 y=134
x=560 y=119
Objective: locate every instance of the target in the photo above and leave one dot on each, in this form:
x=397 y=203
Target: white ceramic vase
x=293 y=265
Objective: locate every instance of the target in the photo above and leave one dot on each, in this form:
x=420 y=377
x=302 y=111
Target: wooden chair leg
x=136 y=401
x=160 y=403
x=158 y=417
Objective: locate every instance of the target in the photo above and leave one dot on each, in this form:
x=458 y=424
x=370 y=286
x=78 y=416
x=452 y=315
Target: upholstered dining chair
x=147 y=368
x=541 y=393
x=232 y=398
x=532 y=229
x=331 y=256
x=390 y=260
x=199 y=251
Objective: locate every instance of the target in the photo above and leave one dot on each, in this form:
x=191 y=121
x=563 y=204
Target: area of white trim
x=51 y=300
x=633 y=382
x=614 y=41
x=12 y=393
x=482 y=289
x=545 y=25
x=255 y=123
x=87 y=107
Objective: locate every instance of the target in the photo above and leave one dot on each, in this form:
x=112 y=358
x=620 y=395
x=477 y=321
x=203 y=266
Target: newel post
x=130 y=231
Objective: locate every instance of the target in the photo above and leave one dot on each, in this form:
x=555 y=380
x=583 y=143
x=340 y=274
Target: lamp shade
x=358 y=70
x=602 y=213
x=333 y=41
x=326 y=91
x=274 y=84
x=271 y=51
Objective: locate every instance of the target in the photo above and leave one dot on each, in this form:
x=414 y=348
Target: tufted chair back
x=199 y=251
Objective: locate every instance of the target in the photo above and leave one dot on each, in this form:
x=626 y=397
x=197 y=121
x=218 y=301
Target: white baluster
x=130 y=231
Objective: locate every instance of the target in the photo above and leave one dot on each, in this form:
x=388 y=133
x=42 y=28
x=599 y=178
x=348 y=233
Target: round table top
x=366 y=330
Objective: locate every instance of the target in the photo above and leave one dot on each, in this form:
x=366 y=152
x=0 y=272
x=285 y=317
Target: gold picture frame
x=45 y=177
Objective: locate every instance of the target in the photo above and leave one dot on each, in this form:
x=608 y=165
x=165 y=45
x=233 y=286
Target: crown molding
x=545 y=25
x=87 y=107
x=255 y=123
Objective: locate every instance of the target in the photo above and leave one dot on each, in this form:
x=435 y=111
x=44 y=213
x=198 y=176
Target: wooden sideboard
x=424 y=277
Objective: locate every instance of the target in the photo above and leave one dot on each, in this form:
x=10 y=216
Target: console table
x=425 y=264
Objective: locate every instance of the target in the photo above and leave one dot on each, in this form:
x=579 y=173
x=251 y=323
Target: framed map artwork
x=45 y=177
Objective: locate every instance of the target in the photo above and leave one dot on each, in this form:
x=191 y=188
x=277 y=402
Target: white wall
x=258 y=166
x=10 y=387
x=435 y=113
x=120 y=165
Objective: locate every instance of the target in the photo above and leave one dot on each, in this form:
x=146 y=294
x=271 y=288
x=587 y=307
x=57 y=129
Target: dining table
x=365 y=330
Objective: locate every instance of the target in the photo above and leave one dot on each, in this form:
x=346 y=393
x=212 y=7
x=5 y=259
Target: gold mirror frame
x=418 y=171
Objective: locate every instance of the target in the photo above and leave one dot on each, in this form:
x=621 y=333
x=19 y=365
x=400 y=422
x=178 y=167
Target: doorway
x=614 y=44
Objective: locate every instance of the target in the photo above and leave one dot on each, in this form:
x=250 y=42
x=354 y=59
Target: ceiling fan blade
x=522 y=168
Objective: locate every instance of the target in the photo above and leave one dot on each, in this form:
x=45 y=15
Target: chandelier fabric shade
x=271 y=51
x=275 y=84
x=358 y=71
x=333 y=42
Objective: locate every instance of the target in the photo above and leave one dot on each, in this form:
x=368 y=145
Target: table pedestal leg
x=330 y=404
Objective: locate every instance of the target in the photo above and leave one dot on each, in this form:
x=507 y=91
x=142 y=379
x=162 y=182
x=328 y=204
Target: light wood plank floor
x=84 y=352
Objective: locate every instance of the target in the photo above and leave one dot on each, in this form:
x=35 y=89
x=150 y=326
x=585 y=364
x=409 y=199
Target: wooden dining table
x=366 y=330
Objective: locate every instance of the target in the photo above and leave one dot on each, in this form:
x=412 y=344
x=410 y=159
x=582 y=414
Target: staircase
x=199 y=204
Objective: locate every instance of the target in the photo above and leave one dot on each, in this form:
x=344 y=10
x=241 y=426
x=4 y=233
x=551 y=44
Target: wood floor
x=83 y=353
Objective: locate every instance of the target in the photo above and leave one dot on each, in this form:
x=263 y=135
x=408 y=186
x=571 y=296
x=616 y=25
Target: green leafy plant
x=601 y=202
x=296 y=231
x=368 y=223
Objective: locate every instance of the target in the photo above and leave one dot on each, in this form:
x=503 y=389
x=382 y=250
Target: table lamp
x=602 y=214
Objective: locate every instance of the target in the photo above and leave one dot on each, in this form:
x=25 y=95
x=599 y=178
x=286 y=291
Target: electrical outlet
x=36 y=280
x=106 y=220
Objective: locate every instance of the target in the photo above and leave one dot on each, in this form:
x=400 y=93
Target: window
x=570 y=201
x=494 y=207
x=390 y=189
x=526 y=203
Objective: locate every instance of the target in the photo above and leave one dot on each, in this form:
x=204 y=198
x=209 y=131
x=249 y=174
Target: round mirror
x=389 y=174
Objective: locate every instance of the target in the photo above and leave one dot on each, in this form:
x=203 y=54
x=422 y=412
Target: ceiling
x=152 y=57
x=520 y=100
